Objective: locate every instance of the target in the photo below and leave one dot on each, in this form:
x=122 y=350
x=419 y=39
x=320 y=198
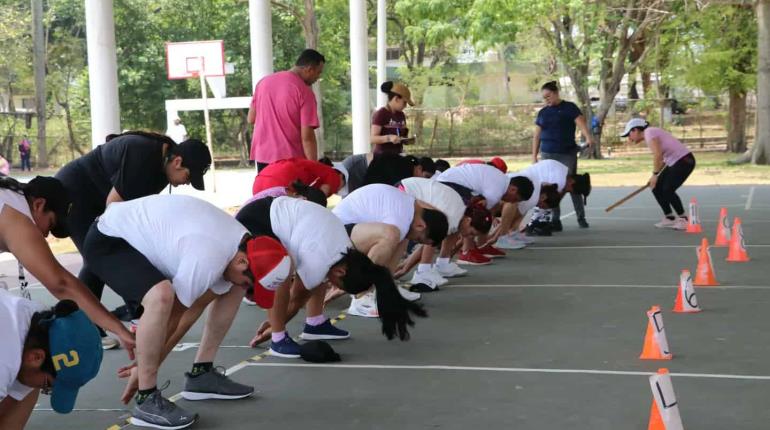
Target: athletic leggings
x=670 y=179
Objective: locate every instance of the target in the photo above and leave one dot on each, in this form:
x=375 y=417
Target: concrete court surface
x=547 y=338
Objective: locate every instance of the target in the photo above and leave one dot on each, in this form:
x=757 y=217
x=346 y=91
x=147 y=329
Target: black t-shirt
x=132 y=164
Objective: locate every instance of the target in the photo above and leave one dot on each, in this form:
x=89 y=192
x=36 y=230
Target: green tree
x=727 y=62
x=15 y=67
x=594 y=39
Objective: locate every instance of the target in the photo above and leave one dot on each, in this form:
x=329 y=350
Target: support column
x=102 y=70
x=359 y=74
x=382 y=50
x=261 y=36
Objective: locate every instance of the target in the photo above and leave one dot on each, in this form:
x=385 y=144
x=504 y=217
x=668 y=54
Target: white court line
x=625 y=246
x=568 y=215
x=750 y=199
x=719 y=287
x=83 y=410
x=513 y=370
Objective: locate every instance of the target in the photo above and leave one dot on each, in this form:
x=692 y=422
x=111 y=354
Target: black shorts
x=349 y=228
x=255 y=216
x=465 y=193
x=123 y=268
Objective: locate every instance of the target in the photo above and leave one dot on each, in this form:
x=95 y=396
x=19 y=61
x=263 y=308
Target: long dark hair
x=8 y=183
x=311 y=194
x=395 y=311
x=386 y=88
x=37 y=336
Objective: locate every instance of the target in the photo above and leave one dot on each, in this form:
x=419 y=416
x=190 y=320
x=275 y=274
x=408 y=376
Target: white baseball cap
x=635 y=122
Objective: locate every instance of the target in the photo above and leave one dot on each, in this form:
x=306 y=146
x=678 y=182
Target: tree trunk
x=311 y=31
x=243 y=134
x=39 y=66
x=761 y=152
x=506 y=78
x=736 y=123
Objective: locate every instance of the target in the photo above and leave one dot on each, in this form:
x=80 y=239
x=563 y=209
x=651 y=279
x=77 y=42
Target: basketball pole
x=209 y=143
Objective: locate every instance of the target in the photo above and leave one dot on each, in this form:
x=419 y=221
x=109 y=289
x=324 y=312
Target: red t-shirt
x=282 y=173
x=391 y=123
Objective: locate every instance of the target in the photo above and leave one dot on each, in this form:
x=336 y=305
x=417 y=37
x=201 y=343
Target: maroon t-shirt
x=391 y=123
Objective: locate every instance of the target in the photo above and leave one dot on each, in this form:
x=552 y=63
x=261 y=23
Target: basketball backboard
x=190 y=59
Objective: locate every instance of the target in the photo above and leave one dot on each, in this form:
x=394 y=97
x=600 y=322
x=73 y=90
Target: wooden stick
x=627 y=198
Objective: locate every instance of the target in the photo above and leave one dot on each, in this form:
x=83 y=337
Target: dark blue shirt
x=557 y=125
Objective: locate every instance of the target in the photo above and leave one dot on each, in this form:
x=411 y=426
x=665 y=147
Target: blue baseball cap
x=76 y=353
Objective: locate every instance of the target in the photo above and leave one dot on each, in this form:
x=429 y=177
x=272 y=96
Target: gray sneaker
x=159 y=412
x=214 y=384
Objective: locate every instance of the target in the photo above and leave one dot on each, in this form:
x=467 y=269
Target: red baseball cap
x=499 y=163
x=271 y=266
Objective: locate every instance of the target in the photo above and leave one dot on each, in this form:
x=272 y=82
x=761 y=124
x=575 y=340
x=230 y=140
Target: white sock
x=423 y=267
x=442 y=261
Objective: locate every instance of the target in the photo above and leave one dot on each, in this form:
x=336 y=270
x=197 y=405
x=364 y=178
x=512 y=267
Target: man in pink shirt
x=284 y=112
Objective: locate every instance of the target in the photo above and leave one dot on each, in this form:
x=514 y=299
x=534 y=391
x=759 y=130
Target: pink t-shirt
x=672 y=148
x=283 y=103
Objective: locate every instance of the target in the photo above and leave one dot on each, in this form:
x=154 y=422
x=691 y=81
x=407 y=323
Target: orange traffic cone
x=664 y=413
x=704 y=273
x=737 y=253
x=723 y=229
x=693 y=219
x=686 y=301
x=655 y=343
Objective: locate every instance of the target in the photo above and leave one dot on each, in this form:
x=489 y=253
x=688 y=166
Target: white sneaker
x=680 y=224
x=507 y=242
x=423 y=278
x=440 y=280
x=109 y=343
x=521 y=237
x=364 y=306
x=451 y=270
x=249 y=302
x=666 y=223
x=412 y=297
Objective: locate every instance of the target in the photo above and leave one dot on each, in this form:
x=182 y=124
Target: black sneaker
x=582 y=223
x=556 y=226
x=538 y=229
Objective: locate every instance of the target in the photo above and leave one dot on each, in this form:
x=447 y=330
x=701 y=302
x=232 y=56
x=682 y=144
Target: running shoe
x=412 y=297
x=582 y=223
x=423 y=278
x=473 y=258
x=364 y=306
x=490 y=251
x=109 y=343
x=508 y=242
x=521 y=237
x=214 y=384
x=666 y=223
x=325 y=331
x=285 y=348
x=451 y=270
x=680 y=224
x=556 y=226
x=440 y=280
x=158 y=412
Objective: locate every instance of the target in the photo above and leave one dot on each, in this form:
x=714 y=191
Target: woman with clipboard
x=389 y=131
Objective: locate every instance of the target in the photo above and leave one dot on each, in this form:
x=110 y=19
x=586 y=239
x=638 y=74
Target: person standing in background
x=389 y=129
x=554 y=139
x=285 y=114
x=25 y=153
x=177 y=132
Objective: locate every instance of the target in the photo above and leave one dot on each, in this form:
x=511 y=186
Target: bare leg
x=315 y=304
x=221 y=313
x=152 y=332
x=448 y=245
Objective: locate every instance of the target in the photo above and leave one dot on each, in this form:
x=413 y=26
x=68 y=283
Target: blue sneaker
x=286 y=348
x=325 y=331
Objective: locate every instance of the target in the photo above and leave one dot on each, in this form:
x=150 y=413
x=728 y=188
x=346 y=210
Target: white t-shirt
x=187 y=239
x=313 y=236
x=378 y=203
x=541 y=173
x=435 y=193
x=177 y=132
x=15 y=316
x=16 y=201
x=481 y=179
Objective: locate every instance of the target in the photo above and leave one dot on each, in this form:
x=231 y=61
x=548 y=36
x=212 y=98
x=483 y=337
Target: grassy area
x=713 y=168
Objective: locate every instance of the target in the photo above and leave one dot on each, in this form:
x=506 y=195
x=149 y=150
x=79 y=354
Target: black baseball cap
x=57 y=199
x=196 y=157
x=318 y=351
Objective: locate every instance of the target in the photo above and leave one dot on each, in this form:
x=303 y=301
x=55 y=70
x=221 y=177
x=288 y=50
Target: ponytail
x=395 y=311
x=309 y=193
